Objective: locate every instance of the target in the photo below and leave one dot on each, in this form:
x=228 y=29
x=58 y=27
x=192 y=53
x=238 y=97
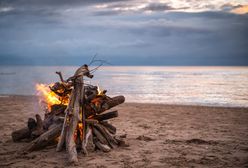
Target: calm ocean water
x=218 y=86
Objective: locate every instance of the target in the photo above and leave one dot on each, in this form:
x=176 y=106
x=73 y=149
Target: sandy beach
x=158 y=136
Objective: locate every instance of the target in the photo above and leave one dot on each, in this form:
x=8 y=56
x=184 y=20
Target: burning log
x=75 y=116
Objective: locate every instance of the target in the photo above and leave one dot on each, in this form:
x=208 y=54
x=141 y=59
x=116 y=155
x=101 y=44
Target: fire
x=47 y=96
x=99 y=91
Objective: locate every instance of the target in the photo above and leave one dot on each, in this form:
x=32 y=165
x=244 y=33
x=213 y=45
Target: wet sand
x=158 y=136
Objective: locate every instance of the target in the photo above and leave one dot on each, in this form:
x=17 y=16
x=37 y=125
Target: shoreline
x=144 y=103
x=158 y=136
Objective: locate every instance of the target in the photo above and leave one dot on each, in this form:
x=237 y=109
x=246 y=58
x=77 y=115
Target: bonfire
x=75 y=118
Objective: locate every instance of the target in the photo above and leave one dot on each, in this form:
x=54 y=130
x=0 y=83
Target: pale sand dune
x=159 y=136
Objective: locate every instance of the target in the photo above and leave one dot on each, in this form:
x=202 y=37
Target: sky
x=124 y=32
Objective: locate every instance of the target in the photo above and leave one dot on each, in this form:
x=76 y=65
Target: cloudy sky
x=124 y=32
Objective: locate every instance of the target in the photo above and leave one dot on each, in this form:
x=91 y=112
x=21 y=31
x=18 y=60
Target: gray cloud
x=158 y=7
x=55 y=3
x=61 y=33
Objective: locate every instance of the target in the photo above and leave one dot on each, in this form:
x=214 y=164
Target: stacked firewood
x=80 y=125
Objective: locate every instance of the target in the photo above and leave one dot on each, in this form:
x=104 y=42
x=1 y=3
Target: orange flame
x=47 y=96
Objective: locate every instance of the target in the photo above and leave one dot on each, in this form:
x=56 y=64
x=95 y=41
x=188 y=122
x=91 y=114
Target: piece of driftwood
x=74 y=108
x=20 y=134
x=109 y=127
x=71 y=126
x=111 y=141
x=89 y=143
x=114 y=101
x=31 y=124
x=99 y=136
x=31 y=131
x=106 y=116
x=44 y=139
x=38 y=130
x=101 y=146
x=64 y=128
x=91 y=121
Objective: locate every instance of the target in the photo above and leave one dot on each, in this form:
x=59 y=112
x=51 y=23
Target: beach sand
x=158 y=136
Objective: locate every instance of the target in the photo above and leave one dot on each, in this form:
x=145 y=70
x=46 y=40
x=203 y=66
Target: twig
x=92 y=60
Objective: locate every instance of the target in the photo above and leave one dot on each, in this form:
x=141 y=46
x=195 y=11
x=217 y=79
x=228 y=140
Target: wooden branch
x=60 y=76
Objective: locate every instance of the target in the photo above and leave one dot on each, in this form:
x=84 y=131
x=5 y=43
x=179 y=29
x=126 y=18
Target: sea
x=192 y=85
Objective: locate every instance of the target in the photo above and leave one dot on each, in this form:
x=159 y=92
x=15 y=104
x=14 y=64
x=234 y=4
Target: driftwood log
x=47 y=138
x=75 y=107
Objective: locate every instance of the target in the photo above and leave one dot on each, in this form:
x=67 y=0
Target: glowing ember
x=48 y=96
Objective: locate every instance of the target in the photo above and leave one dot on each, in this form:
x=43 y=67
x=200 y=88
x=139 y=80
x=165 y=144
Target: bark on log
x=76 y=105
x=21 y=134
x=26 y=132
x=31 y=124
x=102 y=147
x=90 y=146
x=43 y=140
x=58 y=109
x=72 y=125
x=109 y=127
x=106 y=116
x=91 y=121
x=68 y=111
x=39 y=128
x=99 y=136
x=111 y=141
x=114 y=101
